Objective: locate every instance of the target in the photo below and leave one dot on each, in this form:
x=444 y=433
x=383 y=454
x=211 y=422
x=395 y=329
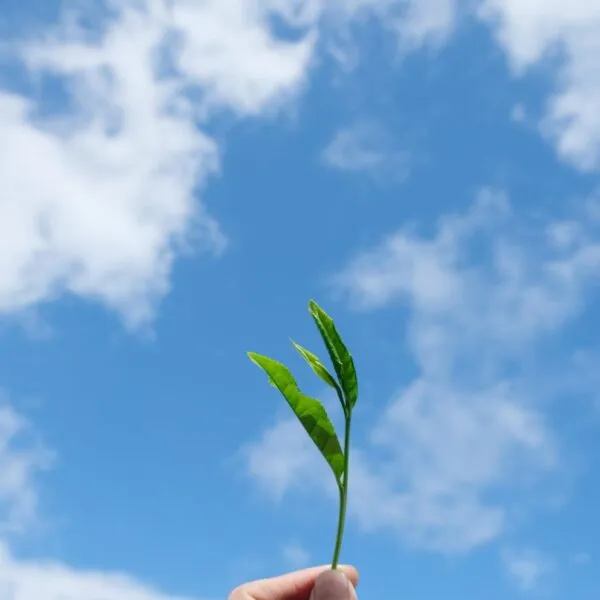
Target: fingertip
x=338 y=584
x=351 y=573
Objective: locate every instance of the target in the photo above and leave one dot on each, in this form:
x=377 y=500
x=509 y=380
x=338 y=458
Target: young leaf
x=321 y=370
x=339 y=354
x=316 y=365
x=309 y=411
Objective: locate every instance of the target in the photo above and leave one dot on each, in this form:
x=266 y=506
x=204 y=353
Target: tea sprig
x=312 y=414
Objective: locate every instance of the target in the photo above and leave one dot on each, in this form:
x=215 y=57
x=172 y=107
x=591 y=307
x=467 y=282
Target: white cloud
x=279 y=460
x=365 y=148
x=458 y=446
x=439 y=458
x=98 y=200
x=114 y=198
x=296 y=556
x=21 y=458
x=427 y=21
x=350 y=150
x=413 y=24
x=416 y=22
x=230 y=50
x=527 y=569
x=450 y=449
x=465 y=428
x=45 y=580
x=100 y=194
x=526 y=284
x=532 y=31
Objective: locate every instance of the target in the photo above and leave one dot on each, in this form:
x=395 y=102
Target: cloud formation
x=45 y=580
x=22 y=457
x=366 y=148
x=296 y=556
x=100 y=197
x=526 y=568
x=535 y=31
x=457 y=447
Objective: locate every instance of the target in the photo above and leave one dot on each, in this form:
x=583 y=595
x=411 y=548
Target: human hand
x=318 y=583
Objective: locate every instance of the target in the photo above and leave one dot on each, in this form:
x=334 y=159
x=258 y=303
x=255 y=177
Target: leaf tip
x=253 y=356
x=315 y=310
x=297 y=346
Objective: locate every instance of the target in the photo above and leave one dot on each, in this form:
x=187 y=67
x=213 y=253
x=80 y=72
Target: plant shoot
x=312 y=414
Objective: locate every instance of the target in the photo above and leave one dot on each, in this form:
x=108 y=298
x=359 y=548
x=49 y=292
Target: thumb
x=333 y=585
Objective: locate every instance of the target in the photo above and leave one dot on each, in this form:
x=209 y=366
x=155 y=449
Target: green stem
x=343 y=488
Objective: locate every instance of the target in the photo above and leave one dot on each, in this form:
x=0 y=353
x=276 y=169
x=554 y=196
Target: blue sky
x=179 y=178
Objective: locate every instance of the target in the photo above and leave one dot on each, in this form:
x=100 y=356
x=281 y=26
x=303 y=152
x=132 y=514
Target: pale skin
x=317 y=583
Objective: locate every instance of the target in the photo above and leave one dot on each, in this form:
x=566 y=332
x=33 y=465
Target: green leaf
x=339 y=354
x=321 y=370
x=310 y=412
x=317 y=366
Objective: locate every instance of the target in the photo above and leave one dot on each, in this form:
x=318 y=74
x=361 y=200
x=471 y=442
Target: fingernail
x=332 y=585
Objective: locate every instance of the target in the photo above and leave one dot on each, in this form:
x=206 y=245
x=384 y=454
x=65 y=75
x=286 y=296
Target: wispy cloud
x=535 y=31
x=527 y=569
x=118 y=175
x=99 y=198
x=426 y=22
x=22 y=457
x=528 y=282
x=458 y=446
x=532 y=33
x=481 y=294
x=37 y=580
x=366 y=148
x=102 y=193
x=279 y=459
x=296 y=556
